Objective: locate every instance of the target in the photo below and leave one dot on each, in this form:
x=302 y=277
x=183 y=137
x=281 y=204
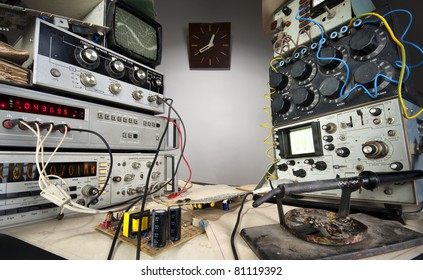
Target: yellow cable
x=268 y=126
x=403 y=61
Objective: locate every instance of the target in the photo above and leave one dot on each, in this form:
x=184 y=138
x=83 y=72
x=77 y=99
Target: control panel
x=122 y=129
x=66 y=63
x=85 y=175
x=288 y=32
x=352 y=66
x=372 y=137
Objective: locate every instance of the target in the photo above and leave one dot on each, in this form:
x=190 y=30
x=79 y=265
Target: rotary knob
x=320 y=165
x=280 y=105
x=302 y=96
x=277 y=80
x=157 y=82
x=89 y=190
x=137 y=94
x=89 y=55
x=330 y=88
x=283 y=167
x=364 y=42
x=117 y=66
x=375 y=111
x=375 y=149
x=140 y=75
x=329 y=52
x=396 y=166
x=88 y=79
x=366 y=73
x=301 y=70
x=342 y=152
x=301 y=173
x=115 y=88
x=286 y=11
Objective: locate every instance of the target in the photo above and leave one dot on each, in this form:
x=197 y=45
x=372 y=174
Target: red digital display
x=17 y=104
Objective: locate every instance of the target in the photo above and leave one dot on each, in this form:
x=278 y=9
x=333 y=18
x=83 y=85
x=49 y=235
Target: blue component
x=282 y=63
x=314 y=46
x=303 y=51
x=334 y=35
x=344 y=29
x=297 y=55
x=357 y=22
x=321 y=42
x=288 y=60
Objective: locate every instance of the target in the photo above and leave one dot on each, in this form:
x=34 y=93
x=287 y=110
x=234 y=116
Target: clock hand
x=211 y=40
x=208 y=46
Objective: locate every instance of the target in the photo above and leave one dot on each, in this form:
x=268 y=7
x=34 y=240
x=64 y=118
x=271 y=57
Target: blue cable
x=398 y=63
x=321 y=41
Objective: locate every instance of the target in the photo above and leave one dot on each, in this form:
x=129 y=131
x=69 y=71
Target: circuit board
x=188 y=232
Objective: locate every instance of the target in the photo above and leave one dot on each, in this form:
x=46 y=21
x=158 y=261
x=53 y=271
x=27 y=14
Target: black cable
x=117 y=231
x=111 y=160
x=184 y=137
x=119 y=226
x=147 y=186
x=236 y=226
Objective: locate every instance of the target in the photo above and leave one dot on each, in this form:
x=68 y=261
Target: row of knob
x=89 y=58
x=89 y=80
x=330 y=88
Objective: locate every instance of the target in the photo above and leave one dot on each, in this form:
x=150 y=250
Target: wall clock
x=210 y=45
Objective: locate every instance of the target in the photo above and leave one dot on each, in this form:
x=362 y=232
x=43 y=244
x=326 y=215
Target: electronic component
x=354 y=68
x=67 y=64
x=159 y=228
x=85 y=175
x=133 y=34
x=372 y=137
x=131 y=130
x=175 y=219
x=131 y=222
x=290 y=33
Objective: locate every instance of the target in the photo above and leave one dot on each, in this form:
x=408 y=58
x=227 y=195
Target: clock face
x=210 y=45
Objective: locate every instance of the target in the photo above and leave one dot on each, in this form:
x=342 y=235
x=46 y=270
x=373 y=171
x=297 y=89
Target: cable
x=236 y=226
x=403 y=34
x=49 y=190
x=109 y=150
x=269 y=136
x=183 y=129
x=403 y=62
x=185 y=160
x=321 y=43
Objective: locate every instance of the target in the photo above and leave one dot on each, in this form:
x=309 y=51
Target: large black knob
x=366 y=73
x=364 y=42
x=299 y=173
x=277 y=80
x=286 y=11
x=330 y=88
x=320 y=165
x=342 y=152
x=301 y=70
x=329 y=52
x=302 y=96
x=280 y=105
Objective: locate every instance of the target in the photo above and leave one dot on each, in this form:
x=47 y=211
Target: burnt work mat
x=272 y=242
x=188 y=232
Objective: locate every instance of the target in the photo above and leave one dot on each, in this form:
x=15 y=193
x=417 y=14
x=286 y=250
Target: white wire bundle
x=52 y=191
